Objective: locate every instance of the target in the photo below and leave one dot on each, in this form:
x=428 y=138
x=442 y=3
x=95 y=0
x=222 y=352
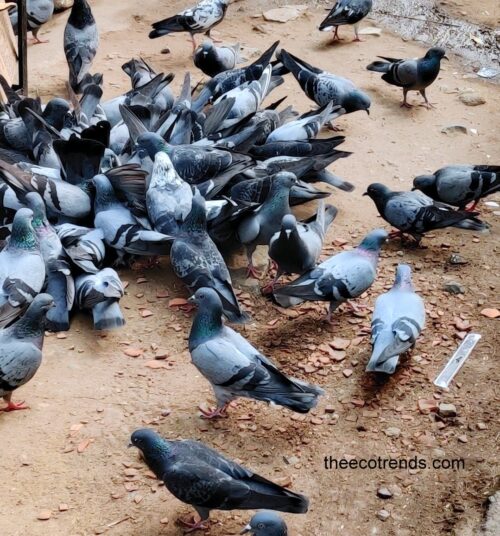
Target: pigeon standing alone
x=266 y=523
x=39 y=12
x=346 y=12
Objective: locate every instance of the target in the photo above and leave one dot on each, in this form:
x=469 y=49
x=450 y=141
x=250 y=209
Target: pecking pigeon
x=346 y=12
x=213 y=60
x=398 y=319
x=39 y=12
x=84 y=246
x=266 y=523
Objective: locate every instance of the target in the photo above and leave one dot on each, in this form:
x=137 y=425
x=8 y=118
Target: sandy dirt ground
x=67 y=456
x=481 y=12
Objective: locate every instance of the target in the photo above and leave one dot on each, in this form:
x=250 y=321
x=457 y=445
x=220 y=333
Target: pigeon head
x=33 y=322
x=436 y=53
x=55 y=112
x=81 y=14
x=379 y=193
x=206 y=298
x=373 y=241
x=283 y=181
x=42 y=303
x=288 y=224
x=355 y=101
x=37 y=205
x=153 y=447
x=266 y=523
x=151 y=143
x=109 y=284
x=105 y=194
x=426 y=184
x=403 y=276
x=23 y=235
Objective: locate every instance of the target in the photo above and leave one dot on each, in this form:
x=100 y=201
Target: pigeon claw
x=216 y=413
x=193 y=525
x=253 y=272
x=14 y=406
x=406 y=105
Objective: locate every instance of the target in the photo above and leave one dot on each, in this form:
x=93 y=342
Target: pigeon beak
x=288 y=232
x=130 y=445
x=246 y=530
x=192 y=299
x=367 y=111
x=366 y=193
x=446 y=58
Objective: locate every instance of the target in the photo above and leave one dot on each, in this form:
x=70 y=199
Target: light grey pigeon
x=258 y=228
x=84 y=246
x=235 y=368
x=199 y=19
x=411 y=75
x=266 y=523
x=213 y=60
x=415 y=213
x=346 y=12
x=460 y=185
x=21 y=350
x=202 y=477
x=22 y=269
x=343 y=277
x=297 y=246
x=81 y=39
x=198 y=263
x=38 y=12
x=101 y=293
x=398 y=319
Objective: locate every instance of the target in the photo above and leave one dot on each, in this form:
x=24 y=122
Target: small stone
x=462 y=438
x=453 y=287
x=384 y=493
x=426 y=406
x=471 y=99
x=392 y=431
x=291 y=460
x=383 y=515
x=481 y=426
x=347 y=372
x=490 y=313
x=284 y=14
x=164 y=521
x=454 y=129
x=455 y=258
x=329 y=409
x=44 y=515
x=447 y=410
x=63 y=507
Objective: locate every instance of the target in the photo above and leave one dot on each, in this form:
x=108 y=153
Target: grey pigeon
x=258 y=228
x=84 y=246
x=213 y=60
x=101 y=293
x=460 y=185
x=81 y=39
x=346 y=12
x=235 y=368
x=22 y=269
x=297 y=246
x=343 y=277
x=266 y=523
x=411 y=75
x=39 y=12
x=21 y=350
x=415 y=213
x=398 y=319
x=198 y=263
x=202 y=477
x=199 y=19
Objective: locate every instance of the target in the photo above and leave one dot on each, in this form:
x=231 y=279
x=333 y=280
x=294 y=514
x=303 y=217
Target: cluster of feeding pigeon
x=88 y=184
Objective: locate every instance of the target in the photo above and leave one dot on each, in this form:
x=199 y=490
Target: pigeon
x=199 y=19
x=81 y=39
x=460 y=185
x=346 y=12
x=198 y=263
x=85 y=247
x=101 y=293
x=266 y=523
x=297 y=246
x=411 y=75
x=235 y=368
x=21 y=350
x=415 y=213
x=39 y=12
x=342 y=277
x=22 y=269
x=398 y=319
x=298 y=148
x=213 y=60
x=323 y=87
x=259 y=227
x=202 y=477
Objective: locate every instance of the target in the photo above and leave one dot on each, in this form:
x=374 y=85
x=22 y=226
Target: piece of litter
x=457 y=360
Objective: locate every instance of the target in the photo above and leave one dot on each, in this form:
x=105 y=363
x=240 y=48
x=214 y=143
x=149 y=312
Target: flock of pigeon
x=88 y=184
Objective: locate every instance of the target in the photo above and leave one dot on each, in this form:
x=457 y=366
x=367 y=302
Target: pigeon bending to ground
x=342 y=277
x=198 y=263
x=460 y=185
x=81 y=39
x=411 y=75
x=415 y=213
x=266 y=523
x=213 y=60
x=84 y=246
x=199 y=19
x=21 y=350
x=101 y=293
x=202 y=477
x=297 y=246
x=39 y=12
x=398 y=319
x=22 y=269
x=346 y=12
x=235 y=368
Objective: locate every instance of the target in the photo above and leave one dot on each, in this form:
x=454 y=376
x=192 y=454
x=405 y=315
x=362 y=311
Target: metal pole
x=22 y=45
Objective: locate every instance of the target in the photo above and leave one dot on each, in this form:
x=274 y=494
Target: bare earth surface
x=69 y=451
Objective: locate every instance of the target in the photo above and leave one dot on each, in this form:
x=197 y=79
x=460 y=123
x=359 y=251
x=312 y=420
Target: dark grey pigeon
x=81 y=39
x=415 y=213
x=198 y=263
x=411 y=75
x=101 y=294
x=343 y=277
x=22 y=269
x=266 y=523
x=346 y=12
x=200 y=476
x=460 y=185
x=397 y=321
x=297 y=148
x=39 y=12
x=213 y=60
x=21 y=350
x=84 y=246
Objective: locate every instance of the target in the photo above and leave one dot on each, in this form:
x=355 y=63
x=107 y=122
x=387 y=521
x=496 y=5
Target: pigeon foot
x=193 y=525
x=216 y=413
x=13 y=406
x=406 y=105
x=253 y=272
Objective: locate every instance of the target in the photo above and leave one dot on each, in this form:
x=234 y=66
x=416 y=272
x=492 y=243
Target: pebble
x=392 y=431
x=462 y=438
x=384 y=493
x=425 y=406
x=383 y=515
x=447 y=410
x=44 y=515
x=453 y=287
x=454 y=129
x=471 y=99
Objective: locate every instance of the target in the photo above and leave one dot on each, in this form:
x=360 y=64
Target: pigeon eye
x=260 y=526
x=106 y=284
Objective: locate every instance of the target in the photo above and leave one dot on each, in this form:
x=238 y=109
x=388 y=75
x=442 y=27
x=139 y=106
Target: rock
x=44 y=515
x=384 y=493
x=425 y=405
x=392 y=431
x=454 y=129
x=383 y=515
x=490 y=313
x=471 y=99
x=447 y=410
x=284 y=14
x=455 y=258
x=487 y=72
x=462 y=438
x=291 y=460
x=453 y=287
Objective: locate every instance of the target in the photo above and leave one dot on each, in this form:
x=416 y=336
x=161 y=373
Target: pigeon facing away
x=39 y=12
x=346 y=12
x=84 y=246
x=213 y=60
x=411 y=75
x=398 y=319
x=81 y=39
x=21 y=350
x=266 y=523
x=460 y=185
x=199 y=19
x=415 y=213
x=235 y=368
x=342 y=277
x=200 y=476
